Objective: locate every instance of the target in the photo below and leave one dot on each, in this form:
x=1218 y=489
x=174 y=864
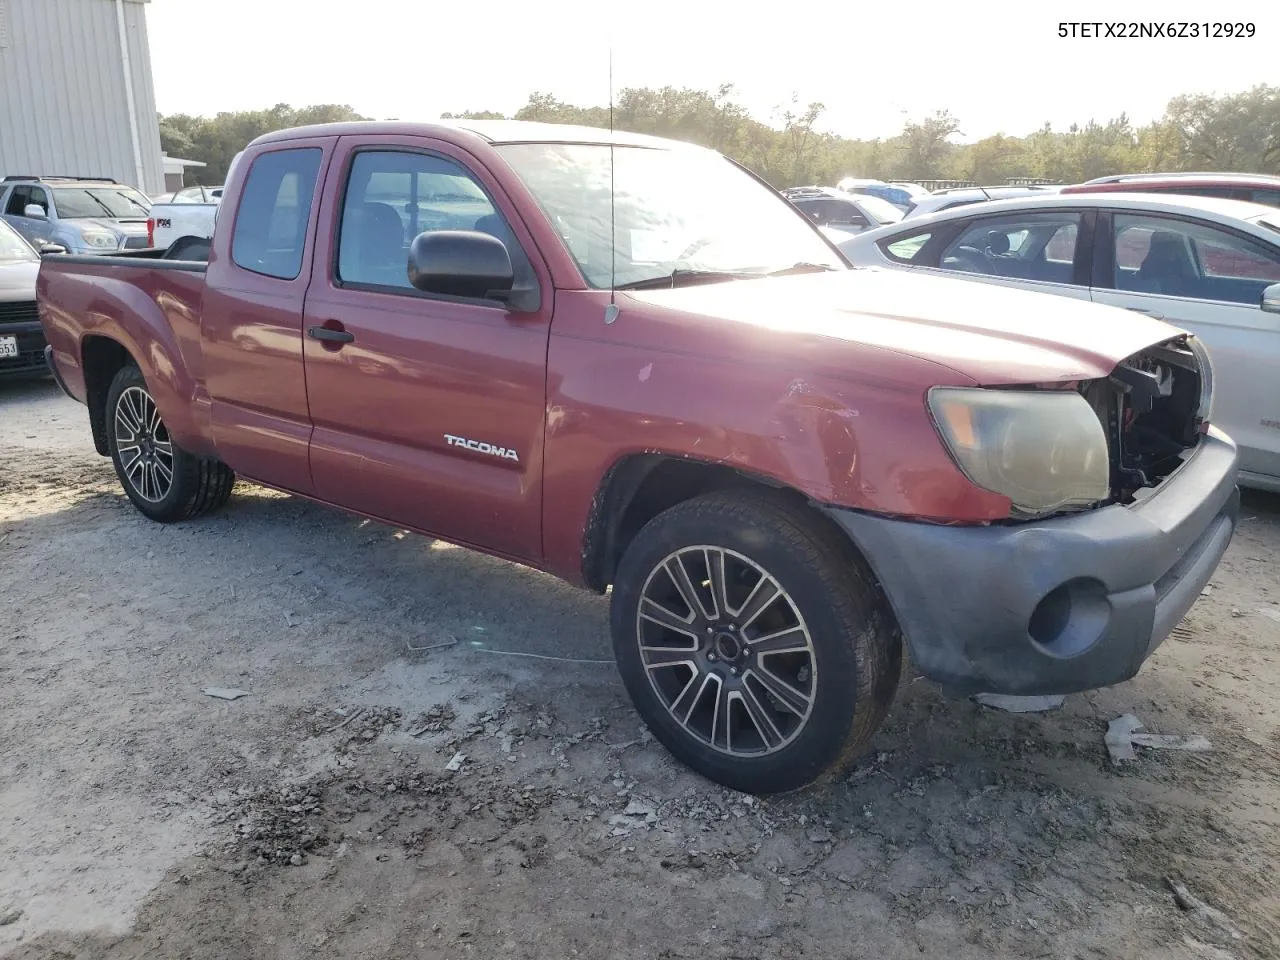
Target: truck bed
x=138 y=300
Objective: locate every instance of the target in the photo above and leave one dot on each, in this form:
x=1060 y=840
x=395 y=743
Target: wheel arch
x=638 y=487
x=101 y=358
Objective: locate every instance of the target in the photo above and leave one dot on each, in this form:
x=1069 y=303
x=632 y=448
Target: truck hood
x=18 y=279
x=991 y=334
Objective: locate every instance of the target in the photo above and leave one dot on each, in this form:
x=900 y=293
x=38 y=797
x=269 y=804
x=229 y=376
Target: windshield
x=882 y=211
x=79 y=203
x=12 y=246
x=673 y=210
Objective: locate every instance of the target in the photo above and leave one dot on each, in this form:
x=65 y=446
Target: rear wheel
x=753 y=641
x=165 y=482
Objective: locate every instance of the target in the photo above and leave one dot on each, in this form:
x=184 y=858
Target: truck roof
x=490 y=131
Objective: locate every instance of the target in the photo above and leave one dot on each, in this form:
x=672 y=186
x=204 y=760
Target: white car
x=1209 y=266
x=168 y=222
x=188 y=213
x=842 y=213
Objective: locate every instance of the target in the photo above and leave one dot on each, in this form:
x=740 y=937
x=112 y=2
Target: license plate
x=8 y=346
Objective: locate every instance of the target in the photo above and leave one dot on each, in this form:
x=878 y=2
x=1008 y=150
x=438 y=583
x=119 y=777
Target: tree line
x=1239 y=131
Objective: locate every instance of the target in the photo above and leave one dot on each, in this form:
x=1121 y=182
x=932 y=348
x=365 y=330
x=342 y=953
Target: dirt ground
x=321 y=816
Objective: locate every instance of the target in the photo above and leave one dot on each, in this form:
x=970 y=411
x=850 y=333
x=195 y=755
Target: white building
x=76 y=96
x=175 y=170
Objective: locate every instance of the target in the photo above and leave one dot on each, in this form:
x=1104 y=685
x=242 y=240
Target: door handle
x=1150 y=313
x=330 y=335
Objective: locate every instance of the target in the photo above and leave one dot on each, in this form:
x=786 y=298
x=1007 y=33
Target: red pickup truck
x=631 y=363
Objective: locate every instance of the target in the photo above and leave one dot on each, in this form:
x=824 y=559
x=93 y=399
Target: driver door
x=428 y=410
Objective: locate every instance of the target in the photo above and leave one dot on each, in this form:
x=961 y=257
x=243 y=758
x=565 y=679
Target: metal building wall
x=64 y=103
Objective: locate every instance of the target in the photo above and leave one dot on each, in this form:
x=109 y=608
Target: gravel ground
x=370 y=798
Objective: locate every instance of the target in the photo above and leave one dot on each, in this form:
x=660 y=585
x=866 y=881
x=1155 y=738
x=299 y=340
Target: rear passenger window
x=392 y=197
x=847 y=213
x=275 y=204
x=1179 y=258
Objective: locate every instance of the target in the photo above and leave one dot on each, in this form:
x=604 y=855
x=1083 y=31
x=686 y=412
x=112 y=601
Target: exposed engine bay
x=1152 y=408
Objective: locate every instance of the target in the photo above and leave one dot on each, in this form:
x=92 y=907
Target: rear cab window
x=270 y=230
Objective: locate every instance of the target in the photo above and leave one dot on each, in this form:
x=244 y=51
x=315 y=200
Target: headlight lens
x=100 y=240
x=1045 y=450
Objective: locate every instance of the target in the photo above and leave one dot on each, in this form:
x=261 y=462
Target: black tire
x=852 y=642
x=196 y=485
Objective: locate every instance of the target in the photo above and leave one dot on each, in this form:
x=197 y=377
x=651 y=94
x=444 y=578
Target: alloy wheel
x=143 y=444
x=727 y=651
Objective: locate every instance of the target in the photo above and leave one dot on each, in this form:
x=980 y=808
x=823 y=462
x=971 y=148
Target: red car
x=631 y=363
x=1254 y=187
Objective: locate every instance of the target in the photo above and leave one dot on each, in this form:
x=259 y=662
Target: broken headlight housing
x=1204 y=412
x=1043 y=449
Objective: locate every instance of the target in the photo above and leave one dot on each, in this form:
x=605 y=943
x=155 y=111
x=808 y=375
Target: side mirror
x=461 y=263
x=1271 y=298
x=35 y=212
x=52 y=248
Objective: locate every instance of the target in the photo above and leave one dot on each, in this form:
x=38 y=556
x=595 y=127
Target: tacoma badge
x=481 y=447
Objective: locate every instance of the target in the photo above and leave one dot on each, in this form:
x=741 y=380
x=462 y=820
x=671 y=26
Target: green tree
x=924 y=148
x=1236 y=132
x=1239 y=131
x=216 y=140
x=993 y=160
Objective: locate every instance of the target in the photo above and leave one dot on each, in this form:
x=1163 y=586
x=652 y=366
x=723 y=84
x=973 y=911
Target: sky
x=1000 y=67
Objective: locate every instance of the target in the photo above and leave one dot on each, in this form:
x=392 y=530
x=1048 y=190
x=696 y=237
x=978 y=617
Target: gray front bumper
x=1061 y=605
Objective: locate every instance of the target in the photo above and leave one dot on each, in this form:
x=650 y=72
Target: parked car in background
x=190 y=213
x=198 y=194
x=784 y=468
x=1206 y=265
x=901 y=195
x=170 y=221
x=843 y=212
x=22 y=339
x=86 y=215
x=963 y=196
x=1250 y=187
x=914 y=190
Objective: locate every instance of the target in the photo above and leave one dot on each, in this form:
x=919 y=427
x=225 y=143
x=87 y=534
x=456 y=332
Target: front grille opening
x=1149 y=408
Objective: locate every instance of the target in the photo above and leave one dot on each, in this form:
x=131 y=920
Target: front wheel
x=165 y=482
x=753 y=641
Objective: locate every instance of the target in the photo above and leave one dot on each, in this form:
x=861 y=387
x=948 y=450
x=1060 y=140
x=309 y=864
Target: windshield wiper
x=678 y=276
x=801 y=267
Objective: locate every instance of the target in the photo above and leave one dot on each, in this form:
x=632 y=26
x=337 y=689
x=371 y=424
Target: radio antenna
x=611 y=311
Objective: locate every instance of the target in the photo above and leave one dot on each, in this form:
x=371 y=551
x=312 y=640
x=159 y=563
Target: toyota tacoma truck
x=631 y=363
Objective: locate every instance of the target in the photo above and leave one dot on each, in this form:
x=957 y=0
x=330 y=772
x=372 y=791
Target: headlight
x=1044 y=450
x=102 y=241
